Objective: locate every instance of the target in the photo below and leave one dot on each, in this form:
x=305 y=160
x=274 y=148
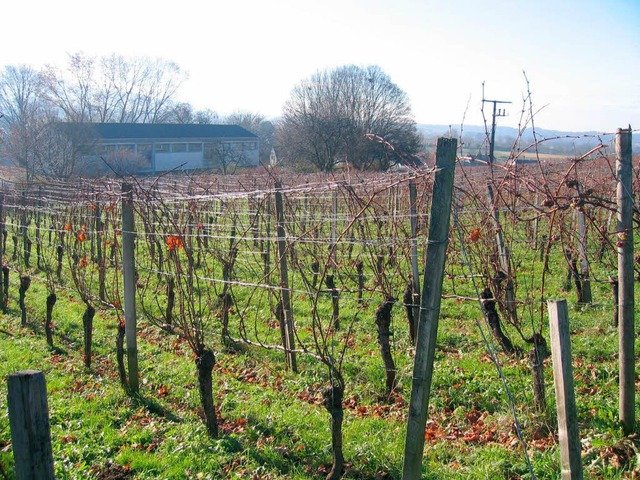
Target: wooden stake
x=334 y=227
x=505 y=261
x=430 y=307
x=129 y=273
x=284 y=282
x=626 y=328
x=413 y=199
x=29 y=420
x=3 y=305
x=585 y=282
x=570 y=458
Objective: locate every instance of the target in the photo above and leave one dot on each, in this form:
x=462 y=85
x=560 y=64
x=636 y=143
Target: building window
x=144 y=150
x=162 y=147
x=178 y=147
x=194 y=147
x=231 y=146
x=208 y=151
x=249 y=146
x=127 y=147
x=107 y=148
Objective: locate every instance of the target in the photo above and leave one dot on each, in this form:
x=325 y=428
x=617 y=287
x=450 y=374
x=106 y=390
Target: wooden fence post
x=29 y=420
x=305 y=213
x=24 y=231
x=570 y=456
x=129 y=273
x=99 y=228
x=266 y=243
x=3 y=305
x=504 y=257
x=626 y=328
x=284 y=283
x=413 y=200
x=334 y=227
x=585 y=281
x=39 y=206
x=430 y=307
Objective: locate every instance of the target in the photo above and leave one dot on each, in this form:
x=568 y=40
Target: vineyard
x=277 y=321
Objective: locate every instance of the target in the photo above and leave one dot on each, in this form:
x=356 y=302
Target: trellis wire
x=490 y=348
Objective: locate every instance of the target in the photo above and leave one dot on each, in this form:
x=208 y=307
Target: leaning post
x=427 y=330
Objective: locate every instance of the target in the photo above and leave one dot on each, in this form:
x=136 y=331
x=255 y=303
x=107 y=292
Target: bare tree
x=205 y=117
x=225 y=156
x=332 y=116
x=144 y=87
x=258 y=125
x=114 y=89
x=23 y=114
x=75 y=94
x=55 y=153
x=89 y=89
x=267 y=135
x=248 y=120
x=183 y=112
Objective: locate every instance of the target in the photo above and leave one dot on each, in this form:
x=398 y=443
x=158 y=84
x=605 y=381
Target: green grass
x=273 y=425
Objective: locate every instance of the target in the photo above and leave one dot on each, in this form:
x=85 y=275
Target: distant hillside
x=474 y=139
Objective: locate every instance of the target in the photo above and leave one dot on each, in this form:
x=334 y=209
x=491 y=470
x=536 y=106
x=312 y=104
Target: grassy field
x=274 y=425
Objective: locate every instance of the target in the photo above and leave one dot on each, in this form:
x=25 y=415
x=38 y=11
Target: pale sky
x=582 y=57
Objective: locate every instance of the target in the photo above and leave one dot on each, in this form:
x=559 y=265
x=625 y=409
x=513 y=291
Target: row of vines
x=297 y=265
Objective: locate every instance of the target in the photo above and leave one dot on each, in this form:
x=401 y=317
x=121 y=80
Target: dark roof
x=167 y=130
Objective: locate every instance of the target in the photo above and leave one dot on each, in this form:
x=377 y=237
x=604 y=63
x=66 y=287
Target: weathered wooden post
x=504 y=257
x=29 y=420
x=3 y=304
x=334 y=227
x=39 y=206
x=284 y=283
x=129 y=273
x=570 y=457
x=254 y=218
x=99 y=228
x=24 y=229
x=413 y=200
x=430 y=307
x=585 y=281
x=626 y=360
x=266 y=247
x=305 y=213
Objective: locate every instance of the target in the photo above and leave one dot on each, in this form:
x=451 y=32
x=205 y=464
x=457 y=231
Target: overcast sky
x=582 y=57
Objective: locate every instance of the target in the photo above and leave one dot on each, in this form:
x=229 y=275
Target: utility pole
x=503 y=251
x=497 y=112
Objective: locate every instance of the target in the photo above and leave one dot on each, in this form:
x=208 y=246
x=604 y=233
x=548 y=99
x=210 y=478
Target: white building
x=148 y=148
